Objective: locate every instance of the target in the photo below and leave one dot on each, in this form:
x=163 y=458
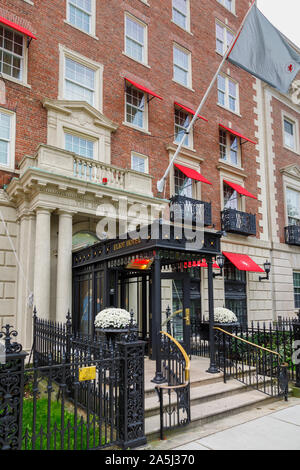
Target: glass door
x=175 y=299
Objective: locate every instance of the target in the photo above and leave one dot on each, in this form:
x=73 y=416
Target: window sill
x=29 y=2
x=185 y=86
x=8 y=169
x=137 y=61
x=144 y=131
x=81 y=30
x=14 y=80
x=227 y=9
x=291 y=150
x=183 y=29
x=145 y=3
x=227 y=109
x=225 y=166
x=191 y=149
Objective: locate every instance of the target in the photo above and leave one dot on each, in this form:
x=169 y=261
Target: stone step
x=204 y=392
x=211 y=410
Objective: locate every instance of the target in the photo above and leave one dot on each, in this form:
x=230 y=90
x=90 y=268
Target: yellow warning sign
x=87 y=373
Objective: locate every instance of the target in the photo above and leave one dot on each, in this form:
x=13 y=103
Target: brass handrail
x=186 y=358
x=248 y=342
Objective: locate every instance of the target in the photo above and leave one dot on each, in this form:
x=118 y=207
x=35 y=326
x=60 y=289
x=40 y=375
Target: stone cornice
x=184 y=152
x=231 y=169
x=292 y=171
x=67 y=107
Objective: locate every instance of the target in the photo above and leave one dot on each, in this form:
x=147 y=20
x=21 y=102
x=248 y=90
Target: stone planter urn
x=113 y=324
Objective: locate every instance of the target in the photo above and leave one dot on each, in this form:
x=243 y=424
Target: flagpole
x=161 y=182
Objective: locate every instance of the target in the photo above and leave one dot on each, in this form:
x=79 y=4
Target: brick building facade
x=95 y=96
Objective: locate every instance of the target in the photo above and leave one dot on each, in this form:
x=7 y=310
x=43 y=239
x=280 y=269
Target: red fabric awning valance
x=239 y=189
x=237 y=134
x=193 y=174
x=243 y=262
x=17 y=27
x=142 y=88
x=189 y=110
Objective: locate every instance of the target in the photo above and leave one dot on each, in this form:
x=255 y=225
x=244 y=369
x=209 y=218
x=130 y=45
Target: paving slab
x=289 y=415
x=267 y=433
x=192 y=446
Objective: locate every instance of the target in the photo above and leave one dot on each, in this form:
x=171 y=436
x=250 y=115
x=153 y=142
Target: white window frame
x=225 y=31
x=223 y=3
x=294 y=287
x=24 y=61
x=189 y=70
x=142 y=157
x=237 y=98
x=287 y=117
x=188 y=16
x=92 y=31
x=95 y=66
x=144 y=61
x=84 y=137
x=234 y=179
x=129 y=124
x=189 y=183
x=12 y=141
x=190 y=135
x=228 y=149
x=296 y=190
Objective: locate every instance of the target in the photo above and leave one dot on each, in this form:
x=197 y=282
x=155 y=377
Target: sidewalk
x=276 y=426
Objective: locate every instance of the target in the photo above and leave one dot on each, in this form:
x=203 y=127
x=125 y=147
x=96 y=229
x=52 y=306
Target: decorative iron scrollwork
x=7 y=333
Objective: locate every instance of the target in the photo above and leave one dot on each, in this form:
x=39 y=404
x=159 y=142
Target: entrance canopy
x=160 y=239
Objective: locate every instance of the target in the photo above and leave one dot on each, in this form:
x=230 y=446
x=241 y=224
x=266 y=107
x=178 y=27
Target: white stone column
x=42 y=263
x=64 y=266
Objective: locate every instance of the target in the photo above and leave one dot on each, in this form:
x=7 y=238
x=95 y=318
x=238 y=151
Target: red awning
x=17 y=27
x=237 y=134
x=190 y=173
x=144 y=89
x=239 y=189
x=199 y=264
x=189 y=111
x=243 y=262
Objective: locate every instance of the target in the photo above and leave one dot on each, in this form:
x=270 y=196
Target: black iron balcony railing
x=292 y=235
x=238 y=222
x=182 y=206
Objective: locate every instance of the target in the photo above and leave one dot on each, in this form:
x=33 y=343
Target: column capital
x=65 y=212
x=44 y=209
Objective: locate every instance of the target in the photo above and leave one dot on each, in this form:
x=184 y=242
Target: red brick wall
x=47 y=20
x=283 y=158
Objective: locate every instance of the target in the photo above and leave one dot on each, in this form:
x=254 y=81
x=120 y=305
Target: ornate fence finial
x=7 y=332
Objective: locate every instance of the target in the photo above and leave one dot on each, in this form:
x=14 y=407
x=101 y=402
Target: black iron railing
x=182 y=206
x=292 y=235
x=235 y=221
x=255 y=366
x=77 y=393
x=174 y=394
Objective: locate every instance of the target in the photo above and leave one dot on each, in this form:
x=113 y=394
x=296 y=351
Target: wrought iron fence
x=79 y=392
x=255 y=366
x=174 y=395
x=278 y=336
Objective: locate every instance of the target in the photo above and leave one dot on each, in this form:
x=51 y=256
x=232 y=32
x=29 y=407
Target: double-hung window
x=7 y=139
x=182 y=184
x=182 y=121
x=296 y=278
x=79 y=82
x=180 y=13
x=135 y=113
x=229 y=4
x=79 y=145
x=224 y=38
x=135 y=39
x=293 y=206
x=139 y=163
x=182 y=66
x=80 y=14
x=231 y=197
x=289 y=134
x=228 y=93
x=229 y=147
x=11 y=53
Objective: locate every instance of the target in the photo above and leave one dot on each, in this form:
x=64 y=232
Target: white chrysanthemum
x=224 y=315
x=112 y=318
